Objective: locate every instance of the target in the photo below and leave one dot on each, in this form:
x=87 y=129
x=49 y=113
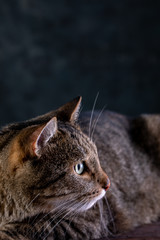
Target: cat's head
x=50 y=163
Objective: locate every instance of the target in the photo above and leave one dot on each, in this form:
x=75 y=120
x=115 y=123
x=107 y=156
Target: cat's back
x=140 y=133
x=129 y=151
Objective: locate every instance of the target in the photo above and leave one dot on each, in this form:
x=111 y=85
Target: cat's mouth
x=91 y=200
x=95 y=199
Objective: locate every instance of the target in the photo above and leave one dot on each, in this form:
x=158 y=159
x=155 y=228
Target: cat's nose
x=106 y=183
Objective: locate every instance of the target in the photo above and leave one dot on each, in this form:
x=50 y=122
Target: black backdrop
x=52 y=51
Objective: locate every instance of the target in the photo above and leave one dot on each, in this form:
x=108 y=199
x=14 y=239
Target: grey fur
x=40 y=195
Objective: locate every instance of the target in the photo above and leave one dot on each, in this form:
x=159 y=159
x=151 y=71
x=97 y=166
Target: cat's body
x=41 y=184
x=129 y=151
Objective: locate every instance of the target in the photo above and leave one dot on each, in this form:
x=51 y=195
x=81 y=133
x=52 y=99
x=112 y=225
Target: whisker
x=32 y=200
x=100 y=205
x=41 y=224
x=63 y=209
x=72 y=216
x=76 y=205
x=34 y=224
x=90 y=122
x=55 y=224
x=68 y=212
x=34 y=219
x=111 y=217
x=51 y=211
x=96 y=121
x=24 y=213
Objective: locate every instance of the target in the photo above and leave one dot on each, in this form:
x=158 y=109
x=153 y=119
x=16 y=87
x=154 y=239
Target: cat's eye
x=79 y=168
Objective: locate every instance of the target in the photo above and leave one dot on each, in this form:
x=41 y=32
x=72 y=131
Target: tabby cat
x=55 y=174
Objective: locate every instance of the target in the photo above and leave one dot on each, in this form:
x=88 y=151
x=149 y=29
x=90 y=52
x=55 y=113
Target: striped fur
x=41 y=195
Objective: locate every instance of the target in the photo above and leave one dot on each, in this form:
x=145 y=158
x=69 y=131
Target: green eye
x=79 y=168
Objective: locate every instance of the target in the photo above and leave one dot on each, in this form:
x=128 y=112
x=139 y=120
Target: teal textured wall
x=52 y=51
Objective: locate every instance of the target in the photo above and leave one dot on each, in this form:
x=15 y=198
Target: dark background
x=52 y=51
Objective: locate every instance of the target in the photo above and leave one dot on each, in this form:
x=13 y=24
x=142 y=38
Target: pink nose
x=107 y=184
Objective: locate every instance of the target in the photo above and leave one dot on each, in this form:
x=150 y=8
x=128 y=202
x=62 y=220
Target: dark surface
x=146 y=232
x=52 y=51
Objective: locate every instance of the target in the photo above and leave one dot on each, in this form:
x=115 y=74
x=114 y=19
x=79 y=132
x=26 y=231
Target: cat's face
x=55 y=165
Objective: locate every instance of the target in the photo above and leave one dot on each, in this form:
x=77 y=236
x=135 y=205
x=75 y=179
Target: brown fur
x=41 y=195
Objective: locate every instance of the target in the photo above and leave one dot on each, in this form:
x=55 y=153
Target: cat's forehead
x=81 y=140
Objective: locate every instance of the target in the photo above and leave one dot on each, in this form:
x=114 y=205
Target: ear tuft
x=48 y=131
x=70 y=111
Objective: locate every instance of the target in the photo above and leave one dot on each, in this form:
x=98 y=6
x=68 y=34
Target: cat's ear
x=30 y=142
x=70 y=111
x=43 y=135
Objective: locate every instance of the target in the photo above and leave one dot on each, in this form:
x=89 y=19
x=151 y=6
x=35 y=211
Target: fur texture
x=43 y=197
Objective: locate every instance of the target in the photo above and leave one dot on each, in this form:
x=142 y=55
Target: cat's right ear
x=42 y=135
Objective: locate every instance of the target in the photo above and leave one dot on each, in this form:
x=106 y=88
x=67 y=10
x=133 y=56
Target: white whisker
x=66 y=205
x=76 y=205
x=90 y=122
x=32 y=201
x=62 y=208
x=110 y=216
x=96 y=121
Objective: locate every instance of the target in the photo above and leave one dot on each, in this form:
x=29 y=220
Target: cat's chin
x=90 y=204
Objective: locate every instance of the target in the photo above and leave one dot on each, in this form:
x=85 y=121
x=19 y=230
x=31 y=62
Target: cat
x=63 y=176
